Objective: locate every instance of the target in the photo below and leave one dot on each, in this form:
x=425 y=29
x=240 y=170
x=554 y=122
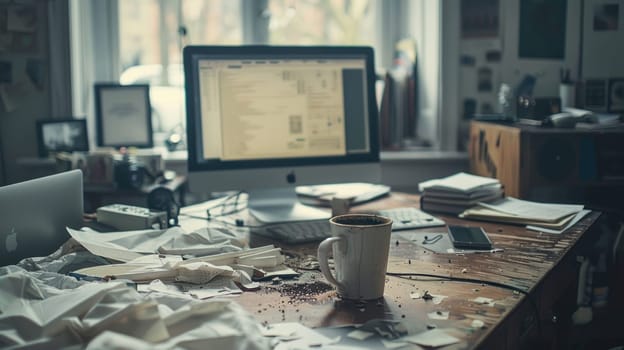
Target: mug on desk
x=360 y=246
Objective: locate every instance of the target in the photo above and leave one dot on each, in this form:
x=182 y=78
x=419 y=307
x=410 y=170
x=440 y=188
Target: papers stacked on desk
x=544 y=217
x=358 y=192
x=458 y=192
x=591 y=120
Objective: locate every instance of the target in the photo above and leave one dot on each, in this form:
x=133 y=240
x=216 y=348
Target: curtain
x=60 y=67
x=94 y=53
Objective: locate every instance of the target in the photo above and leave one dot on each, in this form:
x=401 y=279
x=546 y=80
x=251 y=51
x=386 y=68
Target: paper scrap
x=160 y=287
x=360 y=335
x=200 y=272
x=278 y=271
x=477 y=324
x=219 y=286
x=279 y=330
x=484 y=301
x=304 y=337
x=415 y=295
x=438 y=315
x=393 y=344
x=437 y=299
x=434 y=338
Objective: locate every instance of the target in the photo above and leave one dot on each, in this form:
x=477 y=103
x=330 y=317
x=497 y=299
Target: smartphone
x=469 y=237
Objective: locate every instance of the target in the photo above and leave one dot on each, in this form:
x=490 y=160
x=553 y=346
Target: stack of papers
x=591 y=120
x=458 y=192
x=545 y=217
x=357 y=192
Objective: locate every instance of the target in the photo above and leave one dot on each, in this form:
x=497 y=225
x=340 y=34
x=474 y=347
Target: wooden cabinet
x=543 y=163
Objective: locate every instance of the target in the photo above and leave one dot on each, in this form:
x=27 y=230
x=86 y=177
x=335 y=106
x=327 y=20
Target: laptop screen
x=35 y=215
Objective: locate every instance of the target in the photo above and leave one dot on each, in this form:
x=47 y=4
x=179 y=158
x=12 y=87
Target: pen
x=81 y=277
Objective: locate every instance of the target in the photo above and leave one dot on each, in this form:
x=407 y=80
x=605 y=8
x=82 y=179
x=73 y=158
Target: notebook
x=35 y=215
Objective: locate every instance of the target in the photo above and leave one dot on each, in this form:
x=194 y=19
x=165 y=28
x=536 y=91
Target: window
x=336 y=22
x=144 y=41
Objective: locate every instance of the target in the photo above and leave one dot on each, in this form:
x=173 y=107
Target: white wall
x=603 y=51
x=599 y=54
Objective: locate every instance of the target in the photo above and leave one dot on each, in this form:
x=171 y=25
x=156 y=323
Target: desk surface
x=540 y=264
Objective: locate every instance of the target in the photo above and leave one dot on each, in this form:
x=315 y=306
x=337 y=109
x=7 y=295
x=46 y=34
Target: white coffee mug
x=360 y=245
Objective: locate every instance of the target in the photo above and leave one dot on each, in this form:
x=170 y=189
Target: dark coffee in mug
x=354 y=220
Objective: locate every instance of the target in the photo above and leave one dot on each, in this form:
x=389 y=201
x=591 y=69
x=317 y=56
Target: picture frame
x=100 y=169
x=615 y=101
x=595 y=94
x=123 y=115
x=62 y=135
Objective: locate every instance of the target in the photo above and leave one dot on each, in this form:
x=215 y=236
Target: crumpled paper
x=129 y=245
x=35 y=313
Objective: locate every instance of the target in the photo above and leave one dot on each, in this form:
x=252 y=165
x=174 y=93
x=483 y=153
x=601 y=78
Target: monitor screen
x=272 y=116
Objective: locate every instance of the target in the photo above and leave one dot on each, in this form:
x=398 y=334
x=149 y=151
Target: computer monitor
x=265 y=119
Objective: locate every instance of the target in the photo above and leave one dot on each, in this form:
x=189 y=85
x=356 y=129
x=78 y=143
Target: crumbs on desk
x=301 y=292
x=438 y=315
x=477 y=324
x=484 y=301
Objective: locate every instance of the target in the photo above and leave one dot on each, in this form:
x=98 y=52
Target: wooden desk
x=544 y=265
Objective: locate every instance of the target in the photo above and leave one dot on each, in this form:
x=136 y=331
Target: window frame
x=429 y=22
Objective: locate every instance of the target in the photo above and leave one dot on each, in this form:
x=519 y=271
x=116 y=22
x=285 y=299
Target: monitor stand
x=281 y=205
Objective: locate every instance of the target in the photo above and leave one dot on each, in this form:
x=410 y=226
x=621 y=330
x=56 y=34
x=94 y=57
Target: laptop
x=34 y=215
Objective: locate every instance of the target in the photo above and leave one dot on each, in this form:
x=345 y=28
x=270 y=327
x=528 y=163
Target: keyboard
x=314 y=231
x=410 y=218
x=298 y=231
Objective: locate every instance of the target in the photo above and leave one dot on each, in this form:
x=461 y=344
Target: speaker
x=529 y=160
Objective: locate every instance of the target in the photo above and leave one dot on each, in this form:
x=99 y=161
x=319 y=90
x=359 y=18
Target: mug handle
x=323 y=253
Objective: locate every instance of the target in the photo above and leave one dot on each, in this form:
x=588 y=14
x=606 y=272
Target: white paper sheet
x=533 y=210
x=129 y=245
x=581 y=214
x=434 y=338
x=438 y=315
x=300 y=336
x=460 y=182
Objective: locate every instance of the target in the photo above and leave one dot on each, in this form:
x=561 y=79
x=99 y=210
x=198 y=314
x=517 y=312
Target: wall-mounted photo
x=616 y=95
x=62 y=135
x=479 y=19
x=596 y=94
x=19 y=26
x=606 y=17
x=542 y=29
x=484 y=76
